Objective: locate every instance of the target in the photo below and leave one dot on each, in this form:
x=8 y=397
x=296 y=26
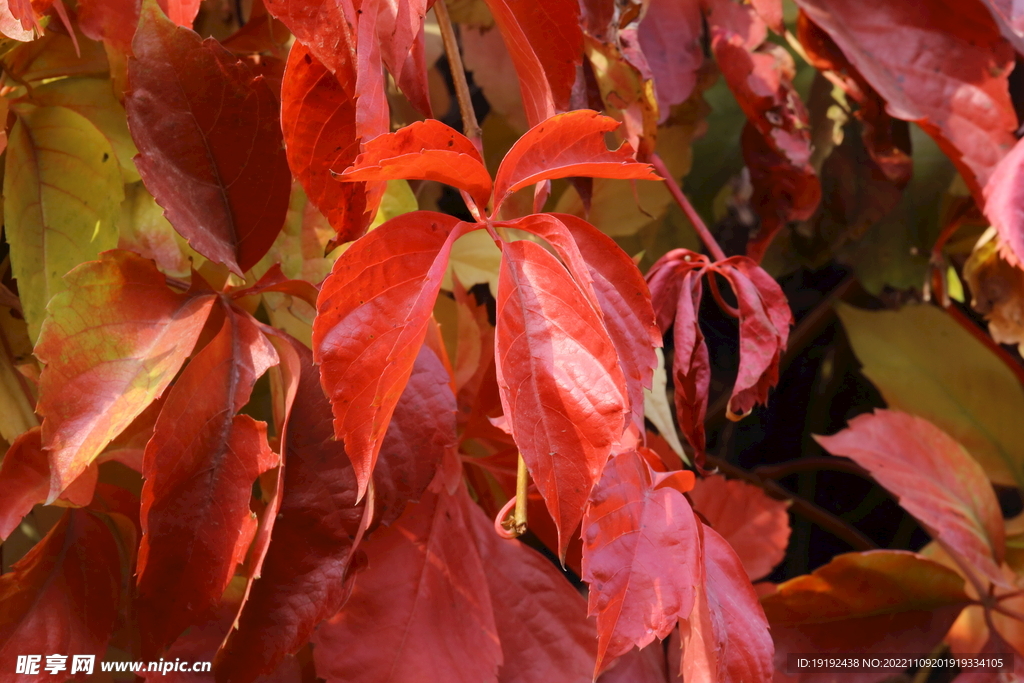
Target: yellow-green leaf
x=62 y=195
x=924 y=363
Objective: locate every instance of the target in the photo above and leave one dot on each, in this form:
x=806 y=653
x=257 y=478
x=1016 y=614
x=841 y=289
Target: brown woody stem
x=806 y=509
x=810 y=465
x=451 y=48
x=522 y=482
x=698 y=224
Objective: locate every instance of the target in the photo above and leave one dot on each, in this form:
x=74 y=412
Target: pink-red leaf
x=422 y=605
x=199 y=469
x=670 y=36
x=1004 y=204
x=935 y=479
x=942 y=64
x=571 y=144
x=756 y=526
x=209 y=137
x=63 y=596
x=562 y=389
x=425 y=150
x=641 y=557
x=113 y=342
x=318 y=117
x=327 y=27
x=372 y=317
x=725 y=639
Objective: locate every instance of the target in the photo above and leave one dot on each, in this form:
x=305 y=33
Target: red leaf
x=274 y=280
x=726 y=637
x=199 y=469
x=1003 y=202
x=639 y=666
x=541 y=619
x=421 y=432
x=111 y=21
x=939 y=63
x=561 y=386
x=318 y=117
x=764 y=330
x=372 y=317
x=425 y=150
x=880 y=601
x=25 y=480
x=425 y=580
x=545 y=42
x=671 y=34
x=641 y=557
x=566 y=145
x=326 y=27
x=756 y=526
x=625 y=302
x=303 y=577
x=63 y=596
x=113 y=342
x=935 y=479
x=400 y=31
x=209 y=139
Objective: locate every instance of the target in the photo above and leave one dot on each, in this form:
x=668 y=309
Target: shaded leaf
x=114 y=342
x=976 y=400
x=641 y=557
x=670 y=36
x=935 y=480
x=209 y=136
x=199 y=469
x=62 y=191
x=561 y=388
x=997 y=288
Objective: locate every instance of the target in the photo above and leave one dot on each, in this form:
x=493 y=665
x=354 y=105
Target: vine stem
x=805 y=508
x=522 y=482
x=698 y=224
x=451 y=48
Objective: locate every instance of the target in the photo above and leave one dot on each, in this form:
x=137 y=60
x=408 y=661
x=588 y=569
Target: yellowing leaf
x=142 y=228
x=94 y=99
x=997 y=290
x=16 y=416
x=658 y=410
x=475 y=260
x=62 y=192
x=398 y=199
x=924 y=363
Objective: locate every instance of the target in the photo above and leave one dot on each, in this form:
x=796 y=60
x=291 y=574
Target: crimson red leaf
x=756 y=526
x=541 y=619
x=199 y=469
x=426 y=150
x=327 y=28
x=764 y=330
x=111 y=21
x=63 y=596
x=565 y=145
x=113 y=342
x=562 y=389
x=641 y=557
x=400 y=31
x=935 y=479
x=318 y=117
x=639 y=666
x=726 y=637
x=670 y=36
x=209 y=139
x=25 y=480
x=880 y=601
x=940 y=63
x=372 y=317
x=424 y=579
x=304 y=572
x=274 y=280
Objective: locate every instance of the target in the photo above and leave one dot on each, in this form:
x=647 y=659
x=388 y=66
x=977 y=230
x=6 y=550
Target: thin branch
x=522 y=483
x=698 y=224
x=806 y=509
x=451 y=48
x=810 y=465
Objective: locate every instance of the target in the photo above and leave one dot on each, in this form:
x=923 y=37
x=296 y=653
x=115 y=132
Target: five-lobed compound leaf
x=561 y=386
x=199 y=469
x=726 y=635
x=209 y=137
x=318 y=117
x=641 y=557
x=935 y=480
x=879 y=601
x=425 y=150
x=62 y=191
x=64 y=595
x=113 y=343
x=563 y=146
x=372 y=317
x=422 y=604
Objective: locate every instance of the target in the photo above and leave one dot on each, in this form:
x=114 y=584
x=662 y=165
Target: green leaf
x=62 y=192
x=924 y=363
